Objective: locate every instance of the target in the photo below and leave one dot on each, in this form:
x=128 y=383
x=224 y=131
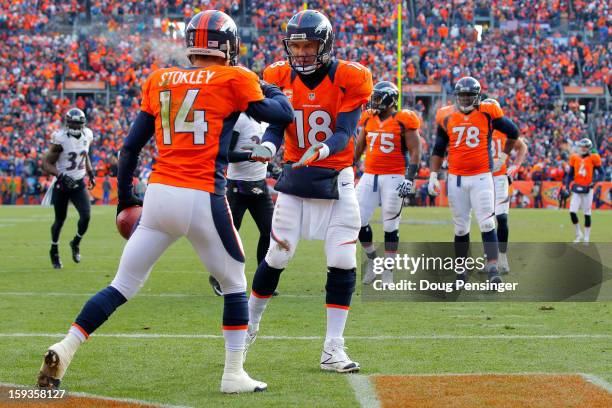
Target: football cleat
x=579 y=237
x=369 y=276
x=502 y=263
x=493 y=273
x=387 y=276
x=56 y=361
x=334 y=357
x=55 y=258
x=234 y=383
x=76 y=254
x=250 y=336
x=460 y=277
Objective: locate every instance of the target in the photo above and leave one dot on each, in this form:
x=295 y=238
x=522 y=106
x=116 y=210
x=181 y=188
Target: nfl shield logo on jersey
x=311 y=96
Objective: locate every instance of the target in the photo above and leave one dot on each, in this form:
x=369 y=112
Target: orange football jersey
x=385 y=147
x=347 y=86
x=497 y=147
x=583 y=167
x=194 y=110
x=469 y=137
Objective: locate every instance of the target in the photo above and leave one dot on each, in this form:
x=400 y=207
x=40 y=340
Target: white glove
x=512 y=170
x=405 y=188
x=434 y=185
x=499 y=162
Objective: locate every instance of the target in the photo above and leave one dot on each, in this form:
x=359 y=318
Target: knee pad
x=487 y=224
x=587 y=221
x=266 y=279
x=462 y=245
x=342 y=256
x=235 y=309
x=340 y=286
x=391 y=241
x=365 y=235
x=574 y=218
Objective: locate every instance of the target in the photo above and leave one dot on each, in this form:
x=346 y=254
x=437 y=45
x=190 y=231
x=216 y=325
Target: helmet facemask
x=380 y=101
x=467 y=101
x=306 y=64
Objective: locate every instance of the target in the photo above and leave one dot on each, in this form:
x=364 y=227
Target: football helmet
x=309 y=25
x=384 y=95
x=584 y=146
x=467 y=93
x=75 y=122
x=213 y=33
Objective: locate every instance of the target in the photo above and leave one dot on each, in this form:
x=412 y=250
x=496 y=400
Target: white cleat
x=369 y=276
x=234 y=383
x=579 y=236
x=334 y=358
x=387 y=276
x=502 y=263
x=250 y=336
x=56 y=361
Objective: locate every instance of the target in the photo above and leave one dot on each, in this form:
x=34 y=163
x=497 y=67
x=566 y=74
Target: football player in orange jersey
x=502 y=176
x=466 y=128
x=316 y=197
x=191 y=112
x=386 y=135
x=585 y=170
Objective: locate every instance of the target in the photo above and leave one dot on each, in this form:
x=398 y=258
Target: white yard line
x=592 y=378
x=415 y=337
x=364 y=390
x=101 y=397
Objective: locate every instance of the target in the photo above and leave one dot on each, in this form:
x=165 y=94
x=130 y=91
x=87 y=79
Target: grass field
x=165 y=345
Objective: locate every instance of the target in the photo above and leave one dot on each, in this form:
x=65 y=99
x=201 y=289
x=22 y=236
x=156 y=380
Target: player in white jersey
x=68 y=160
x=246 y=185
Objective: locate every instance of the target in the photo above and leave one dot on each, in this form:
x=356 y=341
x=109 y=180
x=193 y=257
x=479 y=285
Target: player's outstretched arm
x=274 y=109
x=413 y=145
x=140 y=133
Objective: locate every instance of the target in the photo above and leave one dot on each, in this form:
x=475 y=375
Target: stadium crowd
x=524 y=65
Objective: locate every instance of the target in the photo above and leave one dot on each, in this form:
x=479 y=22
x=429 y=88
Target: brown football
x=127 y=220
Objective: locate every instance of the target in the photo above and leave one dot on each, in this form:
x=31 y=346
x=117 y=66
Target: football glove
x=258 y=152
x=131 y=201
x=318 y=151
x=67 y=181
x=405 y=188
x=498 y=164
x=92 y=180
x=512 y=170
x=433 y=188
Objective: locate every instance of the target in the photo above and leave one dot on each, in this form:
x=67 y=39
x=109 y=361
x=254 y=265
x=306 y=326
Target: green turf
x=186 y=371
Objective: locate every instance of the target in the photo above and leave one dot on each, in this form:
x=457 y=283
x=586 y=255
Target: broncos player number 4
x=198 y=126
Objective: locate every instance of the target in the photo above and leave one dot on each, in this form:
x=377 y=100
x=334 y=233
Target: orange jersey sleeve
x=408 y=118
x=355 y=81
x=492 y=109
x=364 y=117
x=194 y=110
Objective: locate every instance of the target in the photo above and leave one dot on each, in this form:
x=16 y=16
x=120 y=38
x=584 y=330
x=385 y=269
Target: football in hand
x=127 y=221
